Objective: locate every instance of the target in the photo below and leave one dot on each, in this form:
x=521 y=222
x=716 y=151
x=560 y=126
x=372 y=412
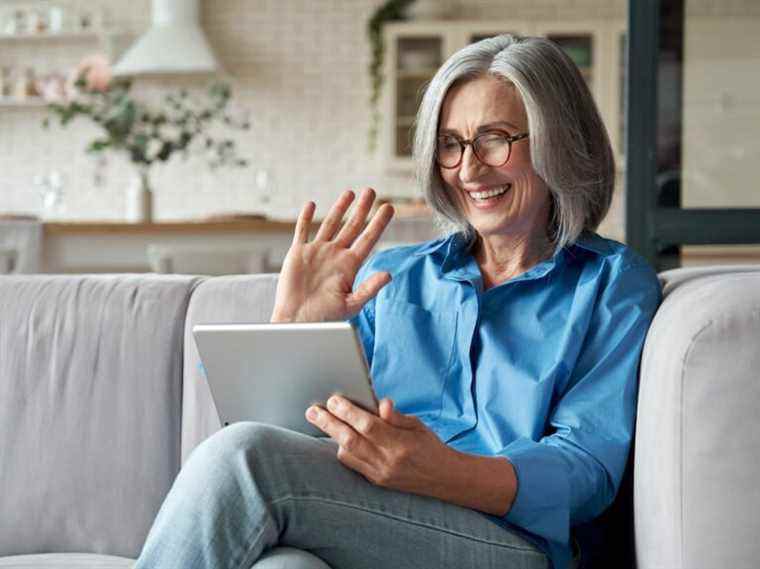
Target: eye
x=447 y=142
x=493 y=139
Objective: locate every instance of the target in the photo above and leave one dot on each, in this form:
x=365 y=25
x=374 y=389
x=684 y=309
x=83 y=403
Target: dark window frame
x=656 y=225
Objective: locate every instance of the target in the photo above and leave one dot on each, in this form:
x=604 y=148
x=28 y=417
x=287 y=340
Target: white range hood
x=175 y=43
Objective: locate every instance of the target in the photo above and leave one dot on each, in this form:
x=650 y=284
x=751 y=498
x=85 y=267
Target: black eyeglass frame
x=463 y=143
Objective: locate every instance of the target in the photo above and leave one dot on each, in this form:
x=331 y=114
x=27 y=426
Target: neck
x=502 y=257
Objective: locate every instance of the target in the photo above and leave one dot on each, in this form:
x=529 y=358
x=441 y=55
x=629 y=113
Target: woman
x=505 y=354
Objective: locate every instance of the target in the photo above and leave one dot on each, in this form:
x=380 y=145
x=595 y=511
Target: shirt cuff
x=542 y=503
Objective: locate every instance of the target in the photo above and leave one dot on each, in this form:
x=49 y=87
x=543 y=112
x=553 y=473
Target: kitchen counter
x=168 y=227
x=119 y=247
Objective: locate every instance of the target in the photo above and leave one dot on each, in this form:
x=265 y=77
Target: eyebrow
x=481 y=128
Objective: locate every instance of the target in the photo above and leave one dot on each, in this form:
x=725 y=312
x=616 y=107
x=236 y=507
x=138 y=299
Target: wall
x=299 y=66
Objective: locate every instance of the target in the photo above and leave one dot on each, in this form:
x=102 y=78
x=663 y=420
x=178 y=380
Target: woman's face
x=522 y=208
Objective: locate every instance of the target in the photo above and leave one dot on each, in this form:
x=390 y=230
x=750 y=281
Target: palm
x=317 y=277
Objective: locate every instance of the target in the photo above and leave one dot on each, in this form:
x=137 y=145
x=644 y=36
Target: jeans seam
x=405 y=520
x=252 y=540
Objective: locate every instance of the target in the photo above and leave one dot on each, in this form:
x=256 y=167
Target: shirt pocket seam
x=447 y=372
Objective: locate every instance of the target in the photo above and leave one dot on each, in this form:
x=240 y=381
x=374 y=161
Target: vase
x=140 y=199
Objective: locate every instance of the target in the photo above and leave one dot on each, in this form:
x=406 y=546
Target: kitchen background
x=298 y=71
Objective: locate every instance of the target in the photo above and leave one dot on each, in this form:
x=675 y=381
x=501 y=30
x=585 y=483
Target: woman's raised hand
x=317 y=277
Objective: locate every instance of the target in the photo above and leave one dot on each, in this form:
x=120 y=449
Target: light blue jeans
x=251 y=489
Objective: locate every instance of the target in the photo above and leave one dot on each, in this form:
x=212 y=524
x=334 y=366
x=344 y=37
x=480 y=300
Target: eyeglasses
x=492 y=148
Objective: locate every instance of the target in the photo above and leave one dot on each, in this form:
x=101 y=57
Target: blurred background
x=298 y=121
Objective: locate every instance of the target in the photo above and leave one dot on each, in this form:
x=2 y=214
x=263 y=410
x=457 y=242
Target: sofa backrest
x=696 y=494
x=244 y=298
x=90 y=393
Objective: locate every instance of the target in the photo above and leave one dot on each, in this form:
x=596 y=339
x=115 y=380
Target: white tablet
x=271 y=373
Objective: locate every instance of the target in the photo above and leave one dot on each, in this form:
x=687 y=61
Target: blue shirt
x=541 y=369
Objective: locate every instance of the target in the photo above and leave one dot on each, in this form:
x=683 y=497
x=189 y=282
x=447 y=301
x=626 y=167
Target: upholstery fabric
x=65 y=561
x=698 y=431
x=288 y=558
x=233 y=299
x=90 y=391
x=674 y=278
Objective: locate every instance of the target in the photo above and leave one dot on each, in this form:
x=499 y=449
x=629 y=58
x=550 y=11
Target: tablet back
x=271 y=373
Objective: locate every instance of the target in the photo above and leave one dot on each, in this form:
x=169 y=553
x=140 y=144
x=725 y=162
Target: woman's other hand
x=400 y=452
x=392 y=450
x=317 y=277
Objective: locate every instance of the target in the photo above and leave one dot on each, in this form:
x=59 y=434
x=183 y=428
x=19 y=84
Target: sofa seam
x=195 y=282
x=687 y=354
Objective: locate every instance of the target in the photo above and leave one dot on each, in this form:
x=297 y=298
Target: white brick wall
x=299 y=66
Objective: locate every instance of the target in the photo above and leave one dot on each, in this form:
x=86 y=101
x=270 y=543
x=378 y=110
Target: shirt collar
x=458 y=264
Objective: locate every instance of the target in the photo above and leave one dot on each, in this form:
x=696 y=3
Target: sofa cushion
x=695 y=481
x=232 y=299
x=65 y=561
x=90 y=401
x=675 y=278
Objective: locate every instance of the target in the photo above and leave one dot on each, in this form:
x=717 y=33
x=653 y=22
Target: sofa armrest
x=696 y=495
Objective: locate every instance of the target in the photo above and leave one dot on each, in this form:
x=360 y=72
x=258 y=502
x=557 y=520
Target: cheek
x=450 y=181
x=448 y=177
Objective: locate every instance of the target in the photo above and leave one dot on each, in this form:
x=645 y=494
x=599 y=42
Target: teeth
x=489 y=193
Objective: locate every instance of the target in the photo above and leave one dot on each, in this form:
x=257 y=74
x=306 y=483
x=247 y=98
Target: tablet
x=271 y=373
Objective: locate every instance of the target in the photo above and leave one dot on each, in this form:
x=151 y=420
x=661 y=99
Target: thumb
x=371 y=287
x=389 y=414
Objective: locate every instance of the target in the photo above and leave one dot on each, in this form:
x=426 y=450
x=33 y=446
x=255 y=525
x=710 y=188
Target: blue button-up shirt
x=541 y=369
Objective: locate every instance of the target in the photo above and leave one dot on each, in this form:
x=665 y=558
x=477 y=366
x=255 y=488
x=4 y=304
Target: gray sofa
x=101 y=400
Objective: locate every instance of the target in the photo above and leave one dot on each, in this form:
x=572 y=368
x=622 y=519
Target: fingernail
x=312 y=414
x=333 y=403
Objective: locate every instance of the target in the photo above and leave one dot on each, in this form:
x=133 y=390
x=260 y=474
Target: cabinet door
x=414 y=57
x=588 y=45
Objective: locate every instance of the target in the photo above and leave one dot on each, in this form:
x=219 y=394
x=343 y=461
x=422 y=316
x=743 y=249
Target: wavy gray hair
x=569 y=145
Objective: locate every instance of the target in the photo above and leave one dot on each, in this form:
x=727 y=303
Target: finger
x=339 y=431
x=371 y=234
x=350 y=230
x=388 y=413
x=367 y=290
x=363 y=422
x=334 y=217
x=301 y=233
x=351 y=461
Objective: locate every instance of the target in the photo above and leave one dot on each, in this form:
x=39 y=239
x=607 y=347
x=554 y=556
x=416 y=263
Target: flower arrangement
x=146 y=135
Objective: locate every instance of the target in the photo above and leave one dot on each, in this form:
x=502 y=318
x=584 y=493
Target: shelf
x=190 y=226
x=47 y=36
x=30 y=103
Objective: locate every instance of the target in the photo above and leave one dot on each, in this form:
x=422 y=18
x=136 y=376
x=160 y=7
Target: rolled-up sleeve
x=572 y=474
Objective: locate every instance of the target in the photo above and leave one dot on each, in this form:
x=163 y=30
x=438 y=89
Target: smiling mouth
x=489 y=195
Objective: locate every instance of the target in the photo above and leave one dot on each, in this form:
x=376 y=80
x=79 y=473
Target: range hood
x=174 y=44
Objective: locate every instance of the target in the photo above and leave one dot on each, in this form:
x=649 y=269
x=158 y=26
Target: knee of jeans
x=245 y=437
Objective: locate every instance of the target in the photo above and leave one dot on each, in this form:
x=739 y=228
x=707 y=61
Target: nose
x=471 y=168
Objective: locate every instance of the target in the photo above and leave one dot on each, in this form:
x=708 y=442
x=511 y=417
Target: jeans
x=253 y=487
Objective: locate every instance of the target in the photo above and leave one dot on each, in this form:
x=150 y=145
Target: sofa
x=102 y=398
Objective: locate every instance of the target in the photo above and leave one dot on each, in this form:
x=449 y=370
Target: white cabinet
x=415 y=50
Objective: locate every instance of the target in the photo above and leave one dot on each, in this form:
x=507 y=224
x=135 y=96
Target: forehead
x=480 y=101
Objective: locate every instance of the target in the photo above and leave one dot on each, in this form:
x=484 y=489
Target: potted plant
x=144 y=134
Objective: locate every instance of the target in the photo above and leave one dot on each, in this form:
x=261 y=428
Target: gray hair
x=569 y=146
